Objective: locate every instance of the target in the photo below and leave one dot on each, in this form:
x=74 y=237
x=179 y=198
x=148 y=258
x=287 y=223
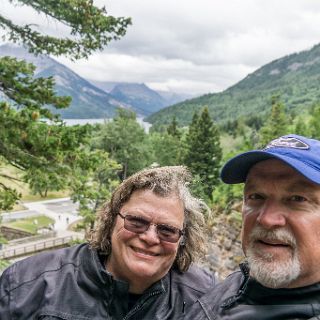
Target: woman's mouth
x=145 y=252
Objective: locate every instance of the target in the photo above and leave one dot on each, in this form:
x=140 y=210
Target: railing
x=37 y=237
x=8 y=253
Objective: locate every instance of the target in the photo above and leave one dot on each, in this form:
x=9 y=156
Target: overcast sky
x=196 y=46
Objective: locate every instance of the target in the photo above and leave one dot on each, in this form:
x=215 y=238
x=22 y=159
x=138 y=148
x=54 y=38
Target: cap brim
x=236 y=169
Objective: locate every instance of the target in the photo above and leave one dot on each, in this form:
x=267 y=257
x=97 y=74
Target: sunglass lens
x=167 y=233
x=136 y=224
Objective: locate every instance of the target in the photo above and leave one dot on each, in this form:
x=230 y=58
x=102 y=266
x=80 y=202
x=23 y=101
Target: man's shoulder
x=196 y=278
x=225 y=289
x=213 y=299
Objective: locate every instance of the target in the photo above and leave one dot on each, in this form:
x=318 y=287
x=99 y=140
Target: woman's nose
x=150 y=236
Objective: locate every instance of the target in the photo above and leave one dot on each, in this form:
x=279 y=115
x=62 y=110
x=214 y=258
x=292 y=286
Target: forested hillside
x=295 y=78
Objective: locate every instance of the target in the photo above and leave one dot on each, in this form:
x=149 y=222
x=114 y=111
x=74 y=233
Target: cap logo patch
x=287 y=142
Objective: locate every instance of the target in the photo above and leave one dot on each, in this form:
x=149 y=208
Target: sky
x=192 y=46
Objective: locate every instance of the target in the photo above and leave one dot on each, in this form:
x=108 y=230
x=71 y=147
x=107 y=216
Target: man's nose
x=272 y=214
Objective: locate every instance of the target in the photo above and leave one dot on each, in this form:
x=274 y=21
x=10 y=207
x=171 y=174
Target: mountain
x=173 y=97
x=139 y=96
x=295 y=77
x=88 y=101
x=106 y=86
x=143 y=99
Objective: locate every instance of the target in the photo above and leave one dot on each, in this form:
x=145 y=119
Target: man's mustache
x=280 y=234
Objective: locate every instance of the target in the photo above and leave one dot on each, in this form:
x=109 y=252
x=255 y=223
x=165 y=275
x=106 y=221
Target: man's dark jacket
x=72 y=284
x=240 y=297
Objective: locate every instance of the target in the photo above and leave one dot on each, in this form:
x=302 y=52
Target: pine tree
x=204 y=153
x=173 y=129
x=91 y=29
x=45 y=154
x=314 y=124
x=277 y=123
x=301 y=127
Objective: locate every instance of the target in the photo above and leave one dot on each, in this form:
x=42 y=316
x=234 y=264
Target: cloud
x=199 y=46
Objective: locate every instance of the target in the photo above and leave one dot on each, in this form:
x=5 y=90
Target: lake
x=71 y=122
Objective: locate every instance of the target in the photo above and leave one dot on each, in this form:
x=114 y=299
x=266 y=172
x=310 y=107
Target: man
x=138 y=264
x=280 y=236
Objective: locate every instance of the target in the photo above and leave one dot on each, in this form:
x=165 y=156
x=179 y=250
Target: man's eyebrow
x=303 y=185
x=249 y=185
x=297 y=186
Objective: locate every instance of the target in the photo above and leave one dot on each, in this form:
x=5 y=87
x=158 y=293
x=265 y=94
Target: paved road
x=63 y=211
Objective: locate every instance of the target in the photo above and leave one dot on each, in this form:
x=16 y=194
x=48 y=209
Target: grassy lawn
x=23 y=188
x=31 y=224
x=51 y=195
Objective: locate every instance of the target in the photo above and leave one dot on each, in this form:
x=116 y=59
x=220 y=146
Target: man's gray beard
x=267 y=271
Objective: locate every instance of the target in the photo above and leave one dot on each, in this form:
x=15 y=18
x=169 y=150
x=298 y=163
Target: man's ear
x=182 y=241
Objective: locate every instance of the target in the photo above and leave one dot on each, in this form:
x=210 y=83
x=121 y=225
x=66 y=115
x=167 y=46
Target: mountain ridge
x=140 y=96
x=93 y=99
x=295 y=78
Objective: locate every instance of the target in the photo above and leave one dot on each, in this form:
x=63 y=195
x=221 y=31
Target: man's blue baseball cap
x=301 y=153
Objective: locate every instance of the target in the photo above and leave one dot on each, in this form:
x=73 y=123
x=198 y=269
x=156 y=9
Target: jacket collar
x=229 y=302
x=96 y=271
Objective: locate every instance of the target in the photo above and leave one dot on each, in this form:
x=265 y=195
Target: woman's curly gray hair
x=164 y=182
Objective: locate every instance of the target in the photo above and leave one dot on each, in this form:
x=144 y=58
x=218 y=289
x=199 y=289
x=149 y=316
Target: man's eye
x=297 y=198
x=254 y=196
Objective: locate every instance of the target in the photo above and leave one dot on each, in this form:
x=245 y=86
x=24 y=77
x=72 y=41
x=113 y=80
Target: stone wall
x=12 y=234
x=224 y=245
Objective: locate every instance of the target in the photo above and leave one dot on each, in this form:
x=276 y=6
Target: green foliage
x=76 y=241
x=276 y=125
x=90 y=27
x=254 y=121
x=27 y=143
x=8 y=196
x=301 y=127
x=47 y=154
x=308 y=124
x=295 y=78
x=166 y=149
x=173 y=129
x=168 y=145
x=41 y=151
x=204 y=153
x=224 y=196
x=4 y=264
x=314 y=123
x=18 y=84
x=126 y=142
x=94 y=179
x=60 y=144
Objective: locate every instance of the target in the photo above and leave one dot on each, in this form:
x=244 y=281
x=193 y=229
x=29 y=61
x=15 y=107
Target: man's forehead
x=277 y=170
x=271 y=167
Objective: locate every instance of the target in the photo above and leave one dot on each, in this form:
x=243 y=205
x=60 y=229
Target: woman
x=137 y=264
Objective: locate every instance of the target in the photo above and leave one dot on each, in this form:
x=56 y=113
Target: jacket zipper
x=139 y=306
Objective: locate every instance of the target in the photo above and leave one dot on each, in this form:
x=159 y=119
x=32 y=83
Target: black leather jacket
x=240 y=297
x=72 y=284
